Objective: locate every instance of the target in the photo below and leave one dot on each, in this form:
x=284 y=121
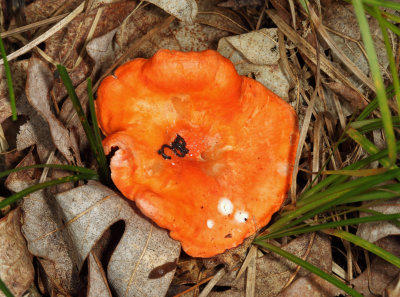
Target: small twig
x=252 y=253
x=324 y=34
x=224 y=16
x=305 y=256
x=312 y=54
x=262 y=14
x=316 y=144
x=195 y=286
x=212 y=282
x=89 y=36
x=251 y=275
x=57 y=27
x=293 y=12
x=32 y=26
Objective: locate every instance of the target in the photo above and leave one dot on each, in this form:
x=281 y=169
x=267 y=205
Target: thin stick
x=212 y=282
x=133 y=47
x=32 y=26
x=57 y=27
x=195 y=286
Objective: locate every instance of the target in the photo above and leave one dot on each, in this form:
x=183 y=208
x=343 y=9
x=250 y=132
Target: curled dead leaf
x=16 y=268
x=38 y=85
x=184 y=10
x=61 y=232
x=257 y=53
x=354 y=98
x=97 y=282
x=91 y=209
x=375 y=231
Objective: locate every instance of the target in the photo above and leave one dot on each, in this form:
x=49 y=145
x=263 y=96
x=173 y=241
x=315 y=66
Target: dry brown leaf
x=236 y=4
x=34 y=132
x=65 y=46
x=257 y=53
x=178 y=36
x=97 y=280
x=16 y=268
x=273 y=271
x=70 y=119
x=105 y=49
x=309 y=52
x=340 y=17
x=102 y=51
x=374 y=231
x=43 y=229
x=18 y=70
x=393 y=289
x=219 y=17
x=353 y=98
x=184 y=10
x=382 y=273
x=38 y=85
x=310 y=286
x=62 y=229
x=42 y=9
x=91 y=209
x=3 y=142
x=323 y=33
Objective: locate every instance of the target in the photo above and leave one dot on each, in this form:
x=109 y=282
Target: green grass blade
x=308 y=229
x=310 y=267
x=374 y=105
x=79 y=110
x=337 y=179
x=322 y=204
x=374 y=212
x=304 y=3
x=5 y=290
x=386 y=23
x=389 y=52
x=372 y=124
x=377 y=78
x=359 y=172
x=378 y=193
x=383 y=193
x=9 y=81
x=390 y=16
x=78 y=107
x=365 y=245
x=103 y=166
x=54 y=166
x=368 y=146
x=382 y=3
x=72 y=178
x=334 y=192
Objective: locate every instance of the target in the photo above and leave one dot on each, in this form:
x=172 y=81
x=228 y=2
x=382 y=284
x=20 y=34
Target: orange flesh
x=241 y=139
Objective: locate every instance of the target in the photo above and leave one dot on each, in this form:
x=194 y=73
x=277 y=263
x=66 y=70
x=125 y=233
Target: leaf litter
x=16 y=268
x=63 y=229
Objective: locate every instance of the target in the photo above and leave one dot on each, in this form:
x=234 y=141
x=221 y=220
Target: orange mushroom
x=203 y=152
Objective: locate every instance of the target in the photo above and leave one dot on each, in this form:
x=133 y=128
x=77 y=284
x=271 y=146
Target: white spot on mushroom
x=241 y=216
x=227 y=148
x=225 y=206
x=282 y=168
x=210 y=224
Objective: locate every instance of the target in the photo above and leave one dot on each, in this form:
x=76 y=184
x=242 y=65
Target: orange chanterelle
x=203 y=151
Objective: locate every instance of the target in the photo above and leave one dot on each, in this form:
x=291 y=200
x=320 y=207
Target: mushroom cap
x=204 y=152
